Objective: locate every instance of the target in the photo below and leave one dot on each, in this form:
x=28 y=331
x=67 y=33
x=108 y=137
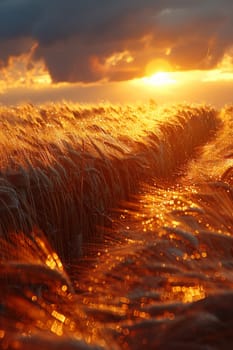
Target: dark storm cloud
x=76 y=37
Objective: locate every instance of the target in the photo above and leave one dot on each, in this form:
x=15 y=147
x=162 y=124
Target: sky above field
x=119 y=51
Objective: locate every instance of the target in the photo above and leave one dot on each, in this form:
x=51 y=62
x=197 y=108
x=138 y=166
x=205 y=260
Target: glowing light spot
x=64 y=288
x=50 y=262
x=57 y=328
x=124 y=300
x=58 y=316
x=140 y=314
x=2 y=333
x=57 y=260
x=159 y=79
x=189 y=294
x=53 y=261
x=175 y=223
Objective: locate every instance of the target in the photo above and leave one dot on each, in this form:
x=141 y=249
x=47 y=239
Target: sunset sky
x=117 y=51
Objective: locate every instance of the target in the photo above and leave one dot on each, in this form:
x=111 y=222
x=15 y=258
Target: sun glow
x=159 y=79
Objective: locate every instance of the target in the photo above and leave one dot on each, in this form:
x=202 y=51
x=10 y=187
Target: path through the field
x=162 y=279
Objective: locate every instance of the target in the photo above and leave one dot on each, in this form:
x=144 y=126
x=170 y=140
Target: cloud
x=86 y=41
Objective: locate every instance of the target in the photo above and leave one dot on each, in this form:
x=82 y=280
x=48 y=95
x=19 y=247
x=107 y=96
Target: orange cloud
x=23 y=71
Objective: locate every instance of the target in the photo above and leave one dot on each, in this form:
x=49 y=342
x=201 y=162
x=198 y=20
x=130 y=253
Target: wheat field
x=116 y=227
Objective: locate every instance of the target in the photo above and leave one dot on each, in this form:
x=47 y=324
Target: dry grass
x=64 y=166
x=161 y=279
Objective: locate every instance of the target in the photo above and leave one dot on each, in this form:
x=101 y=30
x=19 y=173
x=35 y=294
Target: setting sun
x=159 y=79
x=159 y=73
